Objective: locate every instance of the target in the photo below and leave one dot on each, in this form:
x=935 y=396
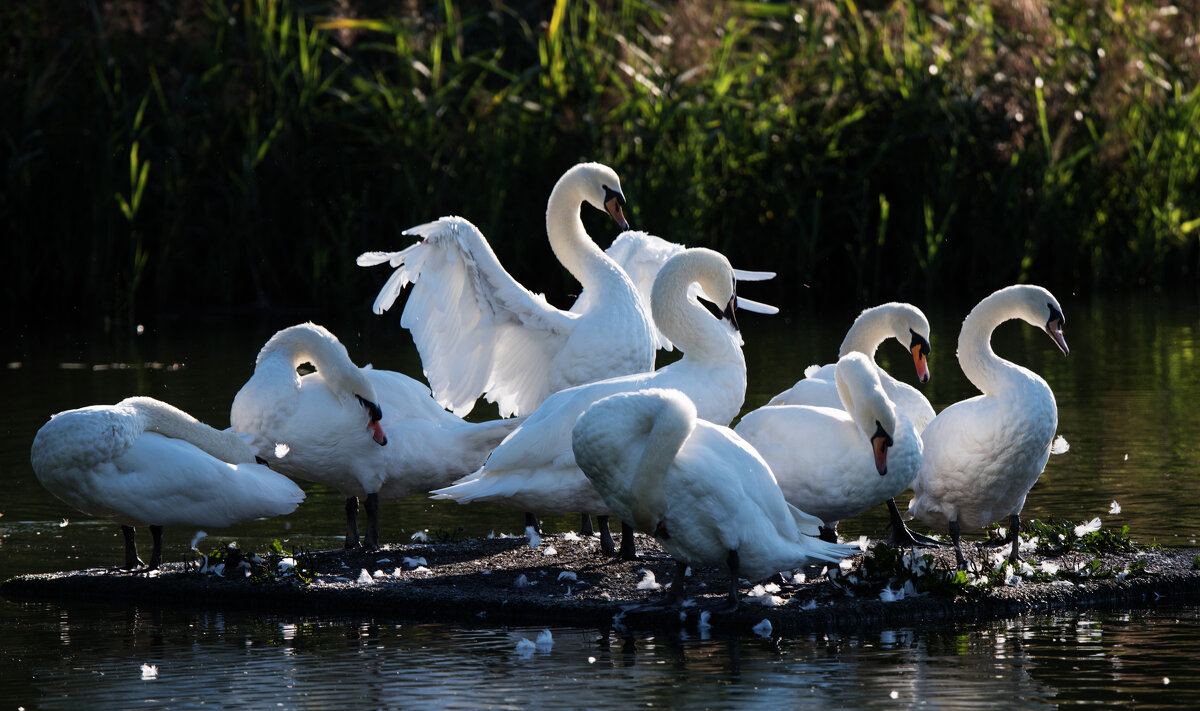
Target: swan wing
x=477 y=329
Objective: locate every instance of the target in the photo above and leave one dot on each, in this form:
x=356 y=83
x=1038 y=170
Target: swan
x=983 y=455
x=534 y=468
x=328 y=426
x=836 y=463
x=873 y=326
x=479 y=331
x=144 y=462
x=701 y=490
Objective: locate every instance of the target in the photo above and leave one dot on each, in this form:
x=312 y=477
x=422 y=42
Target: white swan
x=984 y=454
x=642 y=255
x=327 y=426
x=836 y=463
x=873 y=326
x=479 y=332
x=701 y=490
x=144 y=462
x=534 y=468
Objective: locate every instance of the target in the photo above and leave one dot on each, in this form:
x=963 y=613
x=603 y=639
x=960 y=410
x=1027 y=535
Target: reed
x=203 y=154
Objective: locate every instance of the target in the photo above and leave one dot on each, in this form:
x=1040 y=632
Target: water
x=1125 y=397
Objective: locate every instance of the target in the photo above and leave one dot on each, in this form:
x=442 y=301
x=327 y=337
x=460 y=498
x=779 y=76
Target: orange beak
x=880 y=441
x=920 y=363
x=377 y=433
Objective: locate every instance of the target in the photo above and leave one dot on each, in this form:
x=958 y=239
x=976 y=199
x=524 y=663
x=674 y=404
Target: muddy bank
x=565 y=580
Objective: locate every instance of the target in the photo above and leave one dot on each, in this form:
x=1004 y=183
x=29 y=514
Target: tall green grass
x=222 y=154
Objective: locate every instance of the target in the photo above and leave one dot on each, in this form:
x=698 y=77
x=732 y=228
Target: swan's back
x=101 y=460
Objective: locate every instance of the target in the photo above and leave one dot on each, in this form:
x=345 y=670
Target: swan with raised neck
x=984 y=454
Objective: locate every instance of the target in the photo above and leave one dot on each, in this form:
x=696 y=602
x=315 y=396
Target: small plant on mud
x=1056 y=537
x=230 y=561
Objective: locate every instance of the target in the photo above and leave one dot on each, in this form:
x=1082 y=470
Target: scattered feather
x=378 y=575
x=525 y=648
x=863 y=542
x=281 y=450
x=197 y=538
x=421 y=536
x=534 y=539
x=521 y=581
x=414 y=562
x=545 y=641
x=571 y=536
x=889 y=595
x=1114 y=508
x=1060 y=445
x=703 y=622
x=567 y=575
x=648 y=582
x=65 y=523
x=1085 y=528
x=285 y=566
x=550 y=550
x=761 y=595
x=149 y=671
x=365 y=577
x=763 y=629
x=798 y=579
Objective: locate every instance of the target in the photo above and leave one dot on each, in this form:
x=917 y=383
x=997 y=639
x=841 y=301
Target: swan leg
x=532 y=520
x=628 y=550
x=1015 y=555
x=131 y=557
x=351 y=522
x=677 y=585
x=828 y=533
x=371 y=504
x=156 y=554
x=734 y=564
x=607 y=546
x=902 y=535
x=954 y=537
x=585 y=526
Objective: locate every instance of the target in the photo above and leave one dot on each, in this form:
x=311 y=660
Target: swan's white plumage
x=870 y=329
x=144 y=462
x=699 y=487
x=480 y=332
x=823 y=457
x=982 y=455
x=325 y=427
x=534 y=468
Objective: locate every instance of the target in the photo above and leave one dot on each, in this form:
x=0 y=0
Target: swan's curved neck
x=867 y=332
x=294 y=346
x=670 y=422
x=572 y=245
x=986 y=370
x=689 y=325
x=169 y=421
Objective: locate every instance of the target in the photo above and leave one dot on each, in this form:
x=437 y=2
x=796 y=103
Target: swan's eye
x=373 y=410
x=918 y=341
x=610 y=195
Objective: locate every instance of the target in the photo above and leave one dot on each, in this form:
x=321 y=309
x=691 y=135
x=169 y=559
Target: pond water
x=1125 y=397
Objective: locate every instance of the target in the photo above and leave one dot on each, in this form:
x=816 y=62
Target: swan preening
x=903 y=322
x=480 y=332
x=705 y=494
x=328 y=426
x=143 y=462
x=983 y=455
x=534 y=469
x=837 y=462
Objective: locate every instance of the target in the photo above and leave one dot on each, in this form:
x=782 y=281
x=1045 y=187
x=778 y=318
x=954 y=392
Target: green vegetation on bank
x=190 y=154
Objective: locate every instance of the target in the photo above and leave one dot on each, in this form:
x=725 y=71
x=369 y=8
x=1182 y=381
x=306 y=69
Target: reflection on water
x=1125 y=396
x=76 y=655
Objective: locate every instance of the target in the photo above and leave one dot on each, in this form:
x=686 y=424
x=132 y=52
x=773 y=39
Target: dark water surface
x=1125 y=397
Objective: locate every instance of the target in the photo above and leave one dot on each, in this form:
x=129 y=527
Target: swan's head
x=702 y=267
x=858 y=384
x=598 y=186
x=374 y=415
x=1038 y=307
x=911 y=329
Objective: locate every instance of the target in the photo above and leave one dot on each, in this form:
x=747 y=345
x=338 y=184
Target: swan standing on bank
x=909 y=327
x=480 y=332
x=698 y=488
x=837 y=463
x=143 y=462
x=328 y=426
x=534 y=468
x=984 y=454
